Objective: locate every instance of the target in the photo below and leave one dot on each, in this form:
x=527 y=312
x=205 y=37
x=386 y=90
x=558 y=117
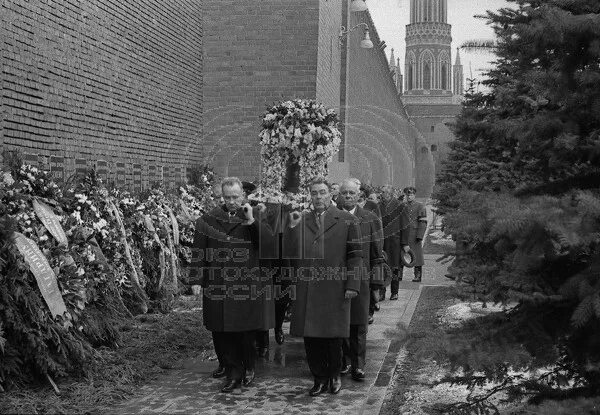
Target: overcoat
x=238 y=294
x=416 y=215
x=327 y=260
x=373 y=207
x=372 y=252
x=394 y=222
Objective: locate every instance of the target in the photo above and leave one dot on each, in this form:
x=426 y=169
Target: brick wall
x=105 y=83
x=381 y=143
x=258 y=53
x=329 y=54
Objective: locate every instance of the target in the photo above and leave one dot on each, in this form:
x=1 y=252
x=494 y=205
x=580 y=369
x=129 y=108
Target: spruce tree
x=521 y=195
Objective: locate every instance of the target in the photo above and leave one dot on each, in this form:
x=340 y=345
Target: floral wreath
x=301 y=131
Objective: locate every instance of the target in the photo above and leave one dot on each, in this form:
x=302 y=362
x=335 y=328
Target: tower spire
x=458 y=86
x=457 y=57
x=392 y=59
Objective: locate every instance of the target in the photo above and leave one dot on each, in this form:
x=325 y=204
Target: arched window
x=444 y=77
x=411 y=71
x=427 y=75
x=426 y=70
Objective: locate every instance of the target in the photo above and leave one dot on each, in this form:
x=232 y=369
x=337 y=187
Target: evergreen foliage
x=521 y=195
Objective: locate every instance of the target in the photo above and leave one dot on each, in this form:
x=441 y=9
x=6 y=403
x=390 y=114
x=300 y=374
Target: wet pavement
x=283 y=378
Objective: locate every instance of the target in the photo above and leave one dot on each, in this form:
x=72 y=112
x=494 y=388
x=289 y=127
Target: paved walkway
x=283 y=378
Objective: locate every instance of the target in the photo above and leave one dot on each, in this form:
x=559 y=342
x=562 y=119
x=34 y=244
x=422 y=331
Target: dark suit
x=355 y=346
x=327 y=257
x=226 y=261
x=394 y=222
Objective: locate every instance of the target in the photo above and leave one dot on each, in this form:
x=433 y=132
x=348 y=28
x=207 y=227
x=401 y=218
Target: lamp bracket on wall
x=365 y=43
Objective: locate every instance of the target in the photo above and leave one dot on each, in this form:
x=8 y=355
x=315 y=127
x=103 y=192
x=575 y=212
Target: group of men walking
x=329 y=261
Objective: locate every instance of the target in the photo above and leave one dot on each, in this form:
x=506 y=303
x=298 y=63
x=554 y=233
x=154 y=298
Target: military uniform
x=416 y=216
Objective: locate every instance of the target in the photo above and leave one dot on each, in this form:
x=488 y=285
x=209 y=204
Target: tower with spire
x=433 y=88
x=396 y=72
x=458 y=85
x=428 y=53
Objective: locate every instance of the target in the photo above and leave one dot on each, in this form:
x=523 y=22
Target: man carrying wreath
x=237 y=295
x=323 y=245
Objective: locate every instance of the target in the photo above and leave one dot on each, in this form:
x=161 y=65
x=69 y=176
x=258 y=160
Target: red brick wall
x=119 y=82
x=380 y=141
x=258 y=53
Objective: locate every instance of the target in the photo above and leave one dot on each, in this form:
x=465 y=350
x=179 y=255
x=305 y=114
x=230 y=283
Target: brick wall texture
x=256 y=53
x=381 y=144
x=142 y=89
x=103 y=83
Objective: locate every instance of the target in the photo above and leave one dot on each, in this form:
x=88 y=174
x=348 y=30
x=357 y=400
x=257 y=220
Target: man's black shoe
x=358 y=375
x=279 y=336
x=262 y=351
x=394 y=297
x=345 y=369
x=230 y=385
x=371 y=319
x=219 y=372
x=416 y=279
x=318 y=388
x=336 y=385
x=248 y=378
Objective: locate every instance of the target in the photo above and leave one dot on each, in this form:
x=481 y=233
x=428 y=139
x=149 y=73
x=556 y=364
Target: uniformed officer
x=416 y=215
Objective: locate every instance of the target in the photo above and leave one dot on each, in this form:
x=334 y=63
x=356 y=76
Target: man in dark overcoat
x=237 y=297
x=324 y=248
x=416 y=216
x=355 y=346
x=394 y=222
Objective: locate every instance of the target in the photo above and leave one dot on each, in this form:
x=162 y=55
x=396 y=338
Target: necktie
x=318 y=219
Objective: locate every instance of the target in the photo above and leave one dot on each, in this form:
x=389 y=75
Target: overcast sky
x=392 y=16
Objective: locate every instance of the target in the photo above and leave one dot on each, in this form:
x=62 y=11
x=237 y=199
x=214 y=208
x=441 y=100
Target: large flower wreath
x=299 y=131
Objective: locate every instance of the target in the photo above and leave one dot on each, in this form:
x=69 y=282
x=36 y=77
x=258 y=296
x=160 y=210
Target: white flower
x=43 y=238
x=81 y=198
x=80 y=271
x=7 y=179
x=100 y=224
x=77 y=216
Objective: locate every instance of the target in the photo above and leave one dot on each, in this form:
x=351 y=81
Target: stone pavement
x=283 y=378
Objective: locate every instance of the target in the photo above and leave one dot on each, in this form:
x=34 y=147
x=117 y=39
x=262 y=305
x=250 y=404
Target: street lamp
x=358 y=6
x=365 y=43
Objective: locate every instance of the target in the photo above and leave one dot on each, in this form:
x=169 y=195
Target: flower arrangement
x=117 y=252
x=35 y=339
x=299 y=131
